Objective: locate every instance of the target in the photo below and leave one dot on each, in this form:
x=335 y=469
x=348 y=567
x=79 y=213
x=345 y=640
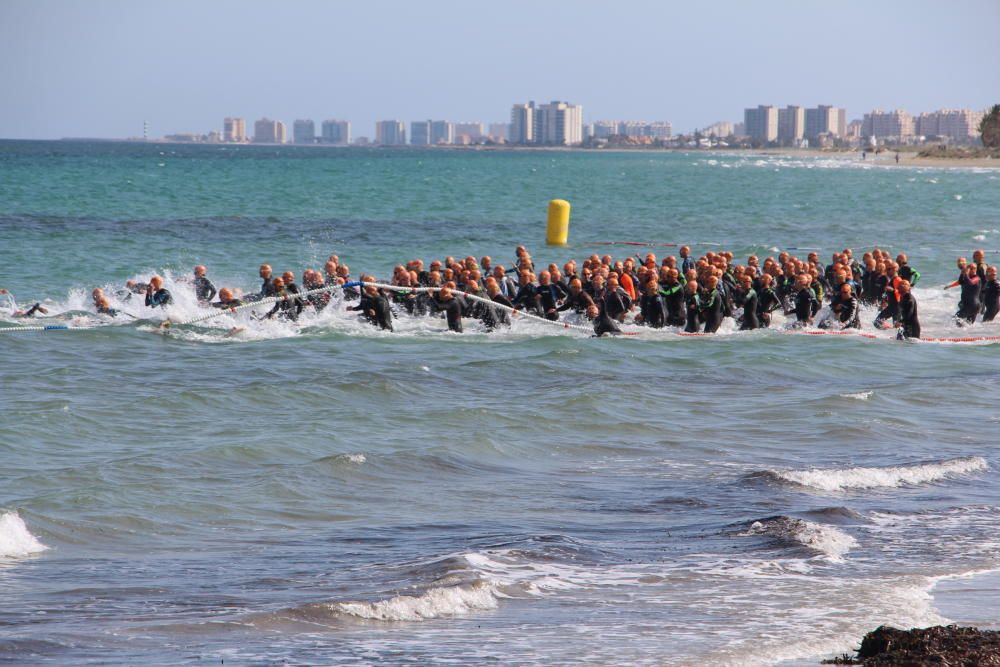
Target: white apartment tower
x=522 y=123
x=561 y=124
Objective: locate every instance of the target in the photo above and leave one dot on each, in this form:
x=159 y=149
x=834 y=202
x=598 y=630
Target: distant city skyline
x=103 y=68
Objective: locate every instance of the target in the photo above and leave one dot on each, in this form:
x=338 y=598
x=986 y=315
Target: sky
x=99 y=68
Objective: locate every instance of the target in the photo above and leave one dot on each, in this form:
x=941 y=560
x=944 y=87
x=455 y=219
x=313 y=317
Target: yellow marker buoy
x=557 y=230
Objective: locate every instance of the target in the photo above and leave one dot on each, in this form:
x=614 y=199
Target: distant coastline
x=909 y=156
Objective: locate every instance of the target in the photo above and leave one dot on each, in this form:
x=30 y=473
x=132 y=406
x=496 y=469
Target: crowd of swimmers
x=692 y=294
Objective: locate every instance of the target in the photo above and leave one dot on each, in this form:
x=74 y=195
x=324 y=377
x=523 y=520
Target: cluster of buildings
x=827 y=125
x=559 y=123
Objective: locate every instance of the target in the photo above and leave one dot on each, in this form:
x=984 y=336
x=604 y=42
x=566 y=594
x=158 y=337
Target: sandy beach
x=883 y=159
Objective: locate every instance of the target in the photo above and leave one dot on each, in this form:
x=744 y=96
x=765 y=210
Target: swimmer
x=991 y=295
x=204 y=290
x=375 y=308
x=578 y=299
x=157 y=296
x=652 y=311
x=710 y=305
x=286 y=307
x=493 y=316
x=693 y=307
x=446 y=302
x=101 y=303
x=805 y=300
x=968 y=303
x=908 y=313
x=549 y=296
x=227 y=299
x=747 y=298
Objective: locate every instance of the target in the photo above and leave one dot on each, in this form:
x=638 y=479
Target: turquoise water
x=326 y=493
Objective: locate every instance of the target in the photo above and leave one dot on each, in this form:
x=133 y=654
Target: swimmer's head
x=265 y=271
x=225 y=294
x=288 y=277
x=200 y=270
x=278 y=283
x=156 y=282
x=904 y=286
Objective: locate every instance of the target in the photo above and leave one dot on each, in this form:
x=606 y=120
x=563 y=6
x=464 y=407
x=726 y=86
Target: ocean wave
x=845 y=479
x=433 y=603
x=15 y=538
x=827 y=540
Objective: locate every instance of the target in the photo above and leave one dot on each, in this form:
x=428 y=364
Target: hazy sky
x=100 y=67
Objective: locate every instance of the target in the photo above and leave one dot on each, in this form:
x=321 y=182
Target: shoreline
x=886 y=158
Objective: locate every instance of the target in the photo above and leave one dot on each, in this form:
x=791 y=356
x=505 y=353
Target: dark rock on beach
x=950 y=646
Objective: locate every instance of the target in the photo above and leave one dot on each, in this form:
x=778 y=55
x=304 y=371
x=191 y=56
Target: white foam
x=979 y=237
x=433 y=603
x=828 y=540
x=15 y=538
x=860 y=396
x=842 y=479
x=355 y=458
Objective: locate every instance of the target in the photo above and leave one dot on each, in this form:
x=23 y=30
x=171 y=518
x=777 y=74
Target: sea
x=319 y=492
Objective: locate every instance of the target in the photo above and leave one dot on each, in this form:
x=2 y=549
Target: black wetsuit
x=891 y=309
x=767 y=302
x=579 y=302
x=693 y=307
x=379 y=312
x=204 y=290
x=673 y=299
x=908 y=316
x=991 y=299
x=159 y=299
x=968 y=304
x=525 y=298
x=804 y=303
x=547 y=300
x=710 y=306
x=748 y=300
x=849 y=315
x=288 y=308
x=107 y=310
x=493 y=316
x=608 y=302
x=654 y=314
x=452 y=309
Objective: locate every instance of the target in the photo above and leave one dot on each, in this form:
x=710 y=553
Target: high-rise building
x=958 y=125
x=304 y=132
x=560 y=124
x=234 y=130
x=442 y=133
x=267 y=131
x=336 y=132
x=895 y=124
x=825 y=120
x=791 y=124
x=761 y=123
x=390 y=133
x=420 y=133
x=522 y=123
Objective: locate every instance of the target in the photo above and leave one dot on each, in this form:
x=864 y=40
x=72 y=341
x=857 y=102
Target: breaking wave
x=15 y=538
x=826 y=540
x=844 y=479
